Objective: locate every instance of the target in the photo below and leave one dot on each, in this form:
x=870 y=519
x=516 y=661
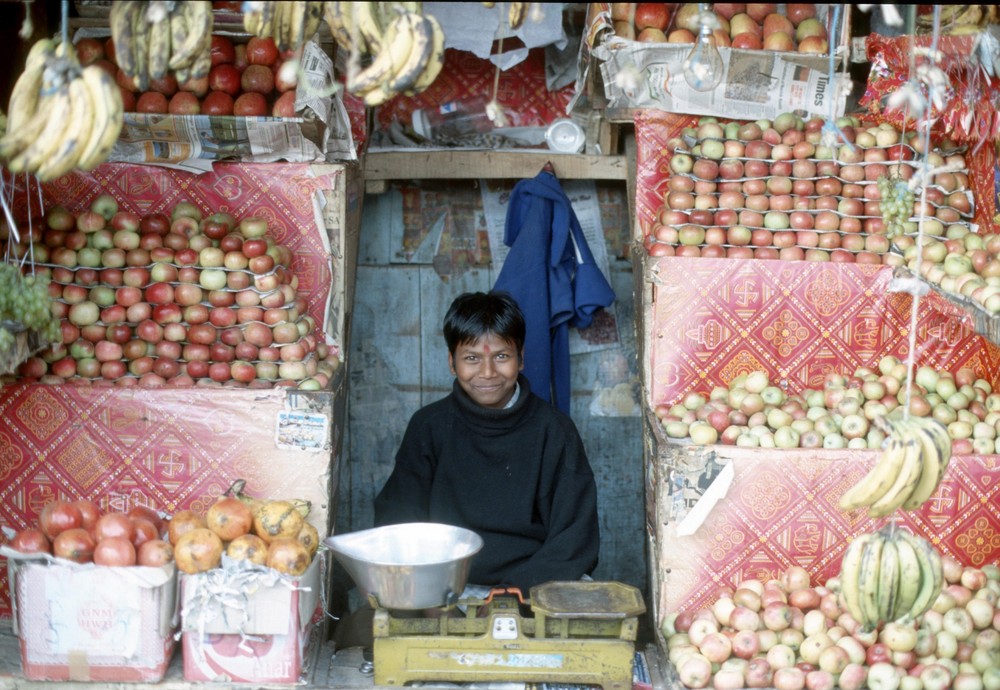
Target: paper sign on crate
x=249 y=625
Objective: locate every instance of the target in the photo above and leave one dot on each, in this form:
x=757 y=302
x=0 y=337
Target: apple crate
x=83 y=622
x=718 y=515
x=755 y=84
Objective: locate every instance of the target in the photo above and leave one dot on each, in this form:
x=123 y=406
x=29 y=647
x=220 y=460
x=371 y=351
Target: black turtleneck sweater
x=518 y=477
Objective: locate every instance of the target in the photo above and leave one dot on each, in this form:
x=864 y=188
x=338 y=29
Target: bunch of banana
x=405 y=48
x=913 y=462
x=61 y=117
x=153 y=38
x=889 y=575
x=959 y=19
x=290 y=24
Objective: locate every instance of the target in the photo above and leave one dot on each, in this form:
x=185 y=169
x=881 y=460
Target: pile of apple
x=962 y=263
x=753 y=412
x=794 y=189
x=246 y=79
x=788 y=634
x=749 y=26
x=178 y=300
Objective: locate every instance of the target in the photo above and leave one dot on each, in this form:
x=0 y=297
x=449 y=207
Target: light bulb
x=703 y=66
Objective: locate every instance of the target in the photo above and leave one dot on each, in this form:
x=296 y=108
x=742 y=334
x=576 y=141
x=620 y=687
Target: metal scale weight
x=579 y=632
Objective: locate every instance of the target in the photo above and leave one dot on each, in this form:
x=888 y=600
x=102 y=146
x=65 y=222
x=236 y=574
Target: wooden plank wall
x=398 y=362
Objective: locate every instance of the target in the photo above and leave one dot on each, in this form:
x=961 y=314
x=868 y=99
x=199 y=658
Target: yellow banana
x=363 y=17
x=55 y=111
x=159 y=47
x=25 y=94
x=252 y=18
x=106 y=100
x=932 y=434
x=516 y=13
x=436 y=61
x=140 y=44
x=122 y=34
x=422 y=45
x=338 y=19
x=397 y=48
x=906 y=480
x=76 y=129
x=198 y=17
x=296 y=25
x=313 y=19
x=877 y=482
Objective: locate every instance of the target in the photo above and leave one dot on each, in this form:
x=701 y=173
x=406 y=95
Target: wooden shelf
x=383 y=166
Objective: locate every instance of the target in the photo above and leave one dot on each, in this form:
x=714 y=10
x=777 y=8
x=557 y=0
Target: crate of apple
x=779 y=190
x=754 y=412
x=748 y=26
x=246 y=79
x=790 y=634
x=179 y=299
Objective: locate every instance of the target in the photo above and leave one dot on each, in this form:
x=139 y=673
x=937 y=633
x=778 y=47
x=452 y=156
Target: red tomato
x=31 y=540
x=90 y=512
x=114 y=551
x=225 y=78
x=114 y=525
x=258 y=79
x=155 y=553
x=58 y=516
x=74 y=544
x=217 y=103
x=223 y=51
x=250 y=105
x=151 y=102
x=261 y=51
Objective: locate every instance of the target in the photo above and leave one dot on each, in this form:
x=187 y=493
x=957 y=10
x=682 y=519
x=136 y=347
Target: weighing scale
x=579 y=632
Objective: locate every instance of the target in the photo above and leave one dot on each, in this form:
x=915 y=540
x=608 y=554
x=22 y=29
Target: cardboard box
x=92 y=623
x=250 y=626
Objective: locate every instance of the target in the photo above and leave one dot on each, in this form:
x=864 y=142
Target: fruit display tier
x=709 y=320
x=170 y=449
x=779 y=508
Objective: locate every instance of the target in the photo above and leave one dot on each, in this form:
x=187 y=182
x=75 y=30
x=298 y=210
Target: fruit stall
x=815 y=308
x=230 y=231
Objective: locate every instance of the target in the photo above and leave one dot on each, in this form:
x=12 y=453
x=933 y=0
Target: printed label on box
x=302 y=431
x=105 y=619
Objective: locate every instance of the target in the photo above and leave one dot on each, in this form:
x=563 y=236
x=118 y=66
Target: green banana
x=850 y=575
x=871 y=560
x=910 y=574
x=888 y=580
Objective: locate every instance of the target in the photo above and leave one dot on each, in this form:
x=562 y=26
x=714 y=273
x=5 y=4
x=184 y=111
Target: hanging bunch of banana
x=290 y=24
x=960 y=19
x=61 y=116
x=394 y=47
x=889 y=575
x=153 y=38
x=916 y=455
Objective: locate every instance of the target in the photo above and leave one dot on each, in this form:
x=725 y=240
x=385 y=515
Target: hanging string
x=924 y=166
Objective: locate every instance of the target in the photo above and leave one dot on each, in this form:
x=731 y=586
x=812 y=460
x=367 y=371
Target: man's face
x=487 y=369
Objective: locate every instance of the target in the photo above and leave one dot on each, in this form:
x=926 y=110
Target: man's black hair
x=474 y=314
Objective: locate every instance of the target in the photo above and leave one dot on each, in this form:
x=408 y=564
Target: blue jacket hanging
x=551 y=273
